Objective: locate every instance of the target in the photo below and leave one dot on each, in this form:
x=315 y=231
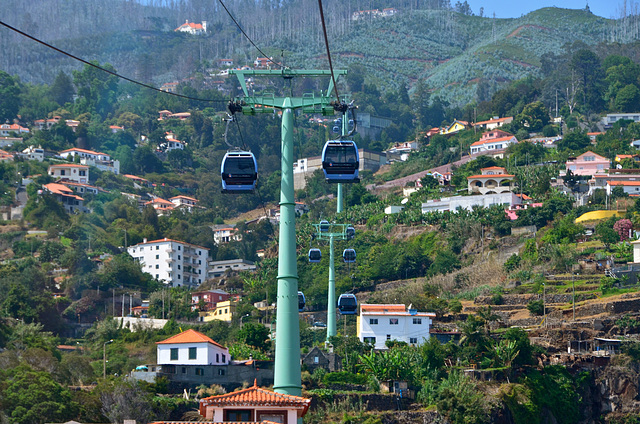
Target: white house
x=184 y=202
x=9 y=129
x=225 y=235
x=218 y=268
x=379 y=323
x=71 y=172
x=175 y=263
x=191 y=348
x=452 y=204
x=102 y=161
x=493 y=179
x=494 y=140
x=493 y=123
x=192 y=28
x=33 y=153
x=72 y=202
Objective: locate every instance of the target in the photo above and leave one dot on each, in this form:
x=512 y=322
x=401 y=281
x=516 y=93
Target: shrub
x=536 y=307
x=343 y=377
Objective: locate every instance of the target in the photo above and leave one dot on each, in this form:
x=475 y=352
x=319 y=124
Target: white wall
x=205 y=355
x=403 y=331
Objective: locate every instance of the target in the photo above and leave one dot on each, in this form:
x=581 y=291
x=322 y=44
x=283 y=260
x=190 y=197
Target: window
x=82 y=173
x=184 y=370
x=217 y=357
x=157 y=256
x=178 y=266
x=224 y=358
x=413 y=340
x=178 y=276
x=193 y=353
x=179 y=247
x=417 y=320
x=174 y=353
x=370 y=340
x=373 y=321
x=238 y=415
x=62 y=172
x=158 y=247
x=316 y=359
x=157 y=266
x=388 y=336
x=157 y=275
x=393 y=321
x=220 y=371
x=199 y=371
x=179 y=257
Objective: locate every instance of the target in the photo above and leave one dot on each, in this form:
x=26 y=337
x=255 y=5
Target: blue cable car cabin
x=239 y=172
x=315 y=255
x=340 y=161
x=301 y=301
x=349 y=256
x=348 y=304
x=351 y=232
x=324 y=226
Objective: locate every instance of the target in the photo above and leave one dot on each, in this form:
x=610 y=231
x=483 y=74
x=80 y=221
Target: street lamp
x=243 y=317
x=104 y=358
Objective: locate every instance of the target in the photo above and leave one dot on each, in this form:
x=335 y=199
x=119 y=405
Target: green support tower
x=287 y=362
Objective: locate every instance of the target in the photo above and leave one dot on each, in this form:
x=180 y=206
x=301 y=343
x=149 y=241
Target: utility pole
x=287 y=356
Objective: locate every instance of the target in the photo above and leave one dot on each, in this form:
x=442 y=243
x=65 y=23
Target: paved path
x=401 y=182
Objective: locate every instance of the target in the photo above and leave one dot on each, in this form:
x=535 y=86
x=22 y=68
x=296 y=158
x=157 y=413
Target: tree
x=533 y=117
x=627 y=99
x=255 y=335
x=586 y=65
x=10 y=95
x=98 y=89
x=606 y=234
x=623 y=227
x=33 y=397
x=62 y=89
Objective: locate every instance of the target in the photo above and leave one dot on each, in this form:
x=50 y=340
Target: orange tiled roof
x=61 y=190
x=490 y=176
x=490 y=121
x=69 y=165
x=382 y=308
x=183 y=197
x=491 y=140
x=190 y=336
x=491 y=168
x=256 y=396
x=133 y=177
x=624 y=183
x=91 y=152
x=160 y=201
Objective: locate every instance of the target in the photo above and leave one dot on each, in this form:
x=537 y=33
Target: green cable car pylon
x=287 y=361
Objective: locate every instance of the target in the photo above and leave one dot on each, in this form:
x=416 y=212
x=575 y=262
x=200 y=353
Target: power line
x=106 y=70
x=326 y=42
x=247 y=37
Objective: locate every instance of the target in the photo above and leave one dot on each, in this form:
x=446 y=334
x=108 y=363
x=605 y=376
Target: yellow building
x=455 y=127
x=224 y=311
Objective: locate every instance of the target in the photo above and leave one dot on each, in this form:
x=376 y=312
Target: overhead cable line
x=247 y=37
x=326 y=42
x=106 y=70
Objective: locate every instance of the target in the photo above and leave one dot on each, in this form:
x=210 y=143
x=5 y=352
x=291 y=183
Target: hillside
x=458 y=57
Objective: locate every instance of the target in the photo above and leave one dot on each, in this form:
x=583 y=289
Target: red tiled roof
x=492 y=167
x=256 y=396
x=190 y=336
x=133 y=177
x=490 y=121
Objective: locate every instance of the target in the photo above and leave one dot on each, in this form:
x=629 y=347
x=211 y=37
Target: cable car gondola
x=348 y=304
x=324 y=226
x=349 y=256
x=340 y=161
x=239 y=172
x=351 y=232
x=315 y=255
x=301 y=301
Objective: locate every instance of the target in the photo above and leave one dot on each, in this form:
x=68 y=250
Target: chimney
x=204 y=26
x=144 y=240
